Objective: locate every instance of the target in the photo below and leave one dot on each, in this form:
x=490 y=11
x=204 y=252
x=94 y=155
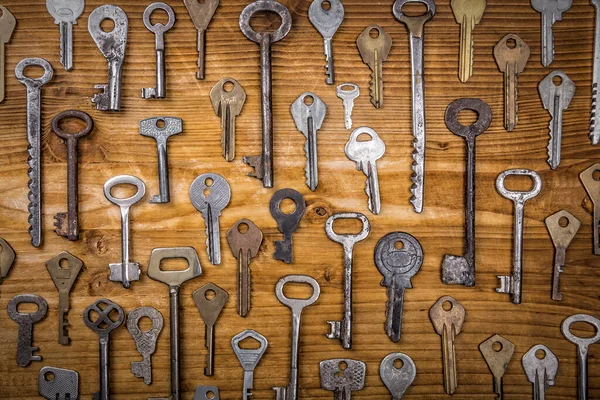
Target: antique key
x=7 y=258
x=228 y=98
x=342 y=376
x=467 y=13
x=7 y=26
x=65 y=13
x=582 y=347
x=562 y=227
x=541 y=366
x=159 y=30
x=210 y=300
x=201 y=13
x=592 y=187
x=497 y=352
x=249 y=357
x=397 y=379
x=145 y=340
x=26 y=320
x=374 y=51
x=327 y=21
x=58 y=383
x=286 y=223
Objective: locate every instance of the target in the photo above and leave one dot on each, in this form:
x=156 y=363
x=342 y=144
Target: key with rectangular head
x=7 y=26
x=592 y=187
x=562 y=227
x=540 y=369
x=249 y=357
x=159 y=30
x=497 y=352
x=206 y=393
x=34 y=137
x=58 y=383
x=210 y=300
x=228 y=98
x=112 y=45
x=467 y=14
x=342 y=376
x=286 y=223
x=583 y=344
x=348 y=92
x=65 y=13
x=343 y=329
x=595 y=117
x=145 y=340
x=201 y=13
x=309 y=113
x=397 y=379
x=26 y=320
x=327 y=21
x=374 y=45
x=7 y=258
x=551 y=11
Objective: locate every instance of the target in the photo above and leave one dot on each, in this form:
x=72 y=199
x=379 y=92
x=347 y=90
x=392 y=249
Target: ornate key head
x=308 y=105
x=447 y=312
x=210 y=190
x=582 y=342
x=562 y=227
x=120 y=180
x=104 y=323
x=210 y=300
x=348 y=240
x=519 y=196
x=221 y=95
x=415 y=24
x=362 y=152
x=34 y=82
x=249 y=240
x=25 y=317
x=297 y=304
x=158 y=28
x=7 y=25
x=265 y=5
x=287 y=222
x=511 y=50
x=64 y=274
x=65 y=10
x=590 y=183
x=497 y=352
x=161 y=128
x=471 y=9
x=342 y=375
x=484 y=117
x=249 y=358
x=398 y=255
x=174 y=278
x=56 y=383
x=397 y=378
x=64 y=135
x=367 y=44
x=550 y=92
x=111 y=44
x=201 y=12
x=145 y=340
x=327 y=21
x=543 y=365
x=7 y=258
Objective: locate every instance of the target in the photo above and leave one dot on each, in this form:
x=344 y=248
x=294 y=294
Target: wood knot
x=317 y=212
x=97 y=242
x=98 y=285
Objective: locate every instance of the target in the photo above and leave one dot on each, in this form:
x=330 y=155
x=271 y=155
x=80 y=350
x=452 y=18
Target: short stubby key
x=7 y=258
x=562 y=227
x=348 y=92
x=228 y=98
x=595 y=113
x=467 y=13
x=583 y=344
x=65 y=14
x=592 y=187
x=374 y=45
x=286 y=223
x=397 y=372
x=497 y=352
x=551 y=11
x=342 y=376
x=210 y=300
x=145 y=340
x=159 y=29
x=540 y=366
x=58 y=383
x=249 y=357
x=327 y=21
x=206 y=393
x=201 y=13
x=7 y=27
x=26 y=320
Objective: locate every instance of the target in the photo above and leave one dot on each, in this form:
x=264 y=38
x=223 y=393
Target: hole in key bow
x=301 y=291
x=228 y=86
x=72 y=124
x=174 y=264
x=159 y=16
x=107 y=25
x=522 y=183
x=398 y=363
x=582 y=329
x=63 y=263
x=342 y=367
x=374 y=33
x=540 y=354
x=326 y=5
x=265 y=21
x=210 y=395
x=27 y=308
x=364 y=137
x=557 y=80
x=123 y=190
x=208 y=182
x=145 y=324
x=414 y=9
x=287 y=206
x=447 y=305
x=596 y=175
x=309 y=100
x=243 y=227
x=347 y=226
x=160 y=123
x=497 y=346
x=210 y=295
x=347 y=88
x=49 y=376
x=563 y=222
x=467 y=117
x=511 y=43
x=249 y=343
x=399 y=245
x=34 y=71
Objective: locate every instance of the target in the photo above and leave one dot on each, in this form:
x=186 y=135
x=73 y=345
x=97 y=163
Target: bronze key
x=210 y=300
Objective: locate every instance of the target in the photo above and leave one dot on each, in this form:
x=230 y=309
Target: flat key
x=126 y=271
x=26 y=320
x=448 y=324
x=374 y=50
x=309 y=113
x=206 y=393
x=327 y=21
x=249 y=358
x=7 y=26
x=210 y=300
x=244 y=245
x=562 y=227
x=263 y=164
x=228 y=98
x=58 y=383
x=467 y=14
x=161 y=129
x=461 y=269
x=343 y=329
x=64 y=269
x=540 y=371
x=342 y=376
x=145 y=340
x=397 y=379
x=583 y=344
x=112 y=45
x=201 y=13
x=551 y=11
x=497 y=352
x=286 y=223
x=595 y=117
x=348 y=92
x=65 y=13
x=210 y=194
x=7 y=258
x=67 y=224
x=592 y=187
x=159 y=30
x=34 y=137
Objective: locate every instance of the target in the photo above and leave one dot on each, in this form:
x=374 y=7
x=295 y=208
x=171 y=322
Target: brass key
x=228 y=98
x=374 y=45
x=210 y=300
x=467 y=13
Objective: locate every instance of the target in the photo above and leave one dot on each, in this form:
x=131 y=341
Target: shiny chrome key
x=348 y=92
x=65 y=13
x=327 y=21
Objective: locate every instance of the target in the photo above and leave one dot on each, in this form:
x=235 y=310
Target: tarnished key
x=103 y=324
x=397 y=372
x=497 y=352
x=58 y=383
x=112 y=46
x=26 y=320
x=263 y=164
x=342 y=376
x=374 y=45
x=65 y=13
x=540 y=370
x=145 y=340
x=551 y=11
x=210 y=300
x=159 y=29
x=582 y=347
x=64 y=269
x=126 y=271
x=286 y=223
x=34 y=137
x=365 y=154
x=206 y=393
x=201 y=13
x=511 y=284
x=296 y=305
x=210 y=194
x=249 y=358
x=592 y=186
x=343 y=329
x=7 y=258
x=562 y=227
x=309 y=112
x=447 y=316
x=348 y=92
x=556 y=98
x=467 y=14
x=461 y=269
x=67 y=224
x=7 y=26
x=595 y=117
x=327 y=21
x=161 y=129
x=244 y=245
x=228 y=98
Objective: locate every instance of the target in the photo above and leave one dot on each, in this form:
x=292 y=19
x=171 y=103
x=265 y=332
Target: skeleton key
x=34 y=137
x=64 y=269
x=551 y=11
x=497 y=352
x=210 y=300
x=343 y=329
x=58 y=384
x=348 y=92
x=448 y=323
x=540 y=371
x=201 y=13
x=327 y=21
x=145 y=340
x=286 y=223
x=595 y=117
x=562 y=227
x=228 y=98
x=263 y=164
x=65 y=13
x=467 y=13
x=249 y=358
x=582 y=347
x=7 y=26
x=397 y=379
x=67 y=224
x=7 y=258
x=112 y=45
x=26 y=320
x=159 y=30
x=374 y=51
x=206 y=393
x=342 y=376
x=592 y=187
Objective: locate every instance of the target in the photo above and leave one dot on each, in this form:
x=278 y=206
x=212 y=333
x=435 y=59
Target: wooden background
x=116 y=147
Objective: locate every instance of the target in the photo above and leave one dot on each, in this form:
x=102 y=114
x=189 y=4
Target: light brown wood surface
x=116 y=147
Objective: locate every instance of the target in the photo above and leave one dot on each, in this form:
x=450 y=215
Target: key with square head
x=210 y=194
x=582 y=347
x=551 y=11
x=540 y=369
x=159 y=30
x=201 y=13
x=210 y=300
x=595 y=116
x=286 y=223
x=592 y=186
x=342 y=376
x=145 y=340
x=65 y=14
x=206 y=393
x=461 y=269
x=58 y=383
x=34 y=137
x=7 y=26
x=497 y=352
x=263 y=164
x=112 y=45
x=348 y=92
x=309 y=112
x=249 y=358
x=26 y=320
x=7 y=258
x=126 y=271
x=374 y=45
x=244 y=243
x=327 y=21
x=562 y=227
x=397 y=379
x=343 y=329
x=467 y=14
x=228 y=98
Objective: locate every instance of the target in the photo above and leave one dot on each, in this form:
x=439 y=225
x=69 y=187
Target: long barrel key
x=159 y=29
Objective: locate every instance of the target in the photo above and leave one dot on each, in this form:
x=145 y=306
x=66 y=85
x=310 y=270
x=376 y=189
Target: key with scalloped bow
x=562 y=227
x=210 y=300
x=286 y=223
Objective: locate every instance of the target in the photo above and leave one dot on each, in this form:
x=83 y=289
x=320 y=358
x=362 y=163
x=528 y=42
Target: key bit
x=562 y=227
x=342 y=376
x=7 y=258
x=145 y=340
x=374 y=51
x=540 y=370
x=26 y=320
x=497 y=352
x=201 y=13
x=228 y=105
x=7 y=27
x=397 y=379
x=206 y=393
x=58 y=383
x=286 y=223
x=210 y=300
x=249 y=358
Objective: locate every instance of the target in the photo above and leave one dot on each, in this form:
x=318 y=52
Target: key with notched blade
x=145 y=340
x=497 y=352
x=540 y=371
x=7 y=26
x=201 y=13
x=228 y=98
x=551 y=11
x=286 y=223
x=342 y=376
x=58 y=383
x=327 y=21
x=65 y=13
x=592 y=187
x=374 y=51
x=562 y=227
x=397 y=379
x=467 y=13
x=26 y=320
x=210 y=300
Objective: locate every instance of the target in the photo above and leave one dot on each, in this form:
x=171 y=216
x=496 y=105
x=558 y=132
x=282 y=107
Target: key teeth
x=594 y=130
x=373 y=91
x=505 y=285
x=256 y=163
x=307 y=169
x=417 y=181
x=101 y=99
x=551 y=160
x=336 y=330
x=61 y=224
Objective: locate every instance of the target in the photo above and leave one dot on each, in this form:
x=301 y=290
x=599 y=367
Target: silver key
x=348 y=92
x=34 y=137
x=206 y=393
x=562 y=227
x=512 y=284
x=26 y=320
x=592 y=187
x=556 y=98
x=65 y=13
x=249 y=358
x=365 y=154
x=126 y=271
x=540 y=371
x=210 y=309
x=342 y=376
x=7 y=26
x=161 y=129
x=112 y=46
x=210 y=194
x=595 y=117
x=551 y=11
x=397 y=372
x=58 y=384
x=497 y=352
x=145 y=340
x=228 y=105
x=582 y=347
x=159 y=29
x=309 y=113
x=327 y=23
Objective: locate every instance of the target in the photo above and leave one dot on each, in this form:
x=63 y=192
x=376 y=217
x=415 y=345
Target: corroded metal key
x=145 y=340
x=26 y=320
x=286 y=223
x=159 y=30
x=249 y=357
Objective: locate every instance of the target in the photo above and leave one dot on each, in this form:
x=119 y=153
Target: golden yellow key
x=467 y=13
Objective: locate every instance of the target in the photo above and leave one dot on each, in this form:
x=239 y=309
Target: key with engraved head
x=249 y=357
x=540 y=366
x=201 y=13
x=7 y=26
x=7 y=258
x=497 y=352
x=286 y=223
x=210 y=300
x=206 y=393
x=34 y=137
x=244 y=239
x=58 y=383
x=592 y=186
x=342 y=376
x=65 y=14
x=210 y=194
x=595 y=115
x=309 y=113
x=327 y=21
x=348 y=92
x=228 y=98
x=397 y=372
x=551 y=11
x=263 y=164
x=467 y=14
x=562 y=227
x=374 y=45
x=145 y=340
x=159 y=30
x=583 y=344
x=112 y=45
x=26 y=320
